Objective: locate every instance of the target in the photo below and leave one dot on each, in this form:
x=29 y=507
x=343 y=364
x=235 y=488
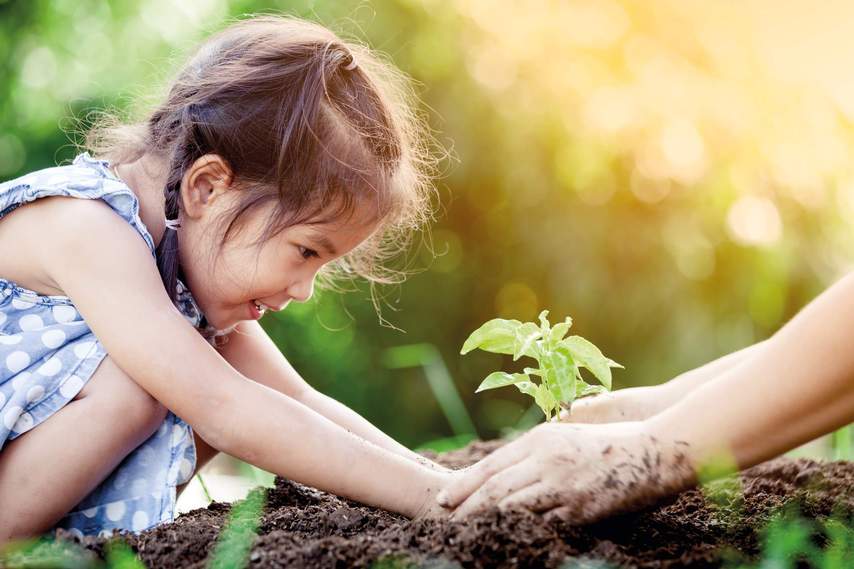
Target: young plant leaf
x=559 y=359
x=497 y=336
x=592 y=390
x=501 y=379
x=525 y=343
x=588 y=356
x=559 y=373
x=558 y=332
x=546 y=401
x=528 y=388
x=545 y=326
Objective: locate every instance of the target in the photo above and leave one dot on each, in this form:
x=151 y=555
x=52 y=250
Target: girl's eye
x=307 y=253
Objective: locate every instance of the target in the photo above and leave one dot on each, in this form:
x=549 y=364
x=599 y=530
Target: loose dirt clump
x=304 y=527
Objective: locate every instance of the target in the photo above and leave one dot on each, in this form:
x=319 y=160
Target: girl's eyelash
x=307 y=253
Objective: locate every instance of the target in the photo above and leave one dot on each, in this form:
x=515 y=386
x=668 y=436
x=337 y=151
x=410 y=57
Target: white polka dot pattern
x=22 y=380
x=24 y=423
x=21 y=304
x=16 y=361
x=10 y=416
x=139 y=521
x=53 y=338
x=63 y=314
x=48 y=354
x=71 y=387
x=51 y=367
x=186 y=469
x=139 y=486
x=11 y=339
x=35 y=393
x=82 y=349
x=116 y=510
x=76 y=532
x=30 y=322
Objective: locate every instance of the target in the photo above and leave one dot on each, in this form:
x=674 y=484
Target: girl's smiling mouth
x=256 y=309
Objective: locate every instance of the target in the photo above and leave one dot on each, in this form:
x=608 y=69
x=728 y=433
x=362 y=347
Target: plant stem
x=204 y=487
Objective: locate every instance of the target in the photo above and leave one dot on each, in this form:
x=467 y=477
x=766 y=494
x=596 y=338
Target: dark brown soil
x=303 y=527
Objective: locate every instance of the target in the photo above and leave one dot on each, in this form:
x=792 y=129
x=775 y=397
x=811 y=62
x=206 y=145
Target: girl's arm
x=639 y=403
x=251 y=351
x=101 y=263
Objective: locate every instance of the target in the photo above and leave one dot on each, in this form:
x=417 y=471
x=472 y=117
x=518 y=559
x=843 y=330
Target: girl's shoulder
x=85 y=178
x=31 y=216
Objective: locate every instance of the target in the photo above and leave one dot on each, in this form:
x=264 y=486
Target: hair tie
x=352 y=65
x=173 y=224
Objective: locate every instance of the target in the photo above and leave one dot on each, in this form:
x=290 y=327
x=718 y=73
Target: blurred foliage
x=790 y=540
x=235 y=540
x=675 y=175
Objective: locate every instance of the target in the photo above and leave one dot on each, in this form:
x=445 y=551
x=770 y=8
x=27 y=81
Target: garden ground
x=708 y=527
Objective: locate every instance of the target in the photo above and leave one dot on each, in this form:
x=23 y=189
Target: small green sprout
x=234 y=544
x=560 y=361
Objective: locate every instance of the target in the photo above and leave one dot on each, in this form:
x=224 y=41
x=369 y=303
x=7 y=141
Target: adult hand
x=579 y=473
x=631 y=404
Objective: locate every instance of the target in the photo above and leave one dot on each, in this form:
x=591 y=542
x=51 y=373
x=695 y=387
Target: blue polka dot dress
x=48 y=353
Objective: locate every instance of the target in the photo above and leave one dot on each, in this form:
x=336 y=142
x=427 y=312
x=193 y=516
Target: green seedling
x=235 y=541
x=560 y=361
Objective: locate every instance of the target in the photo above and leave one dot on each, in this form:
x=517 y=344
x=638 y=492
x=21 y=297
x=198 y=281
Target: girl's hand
x=429 y=507
x=579 y=473
x=632 y=404
x=434 y=466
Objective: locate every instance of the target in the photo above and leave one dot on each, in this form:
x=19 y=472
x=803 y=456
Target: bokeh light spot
x=754 y=220
x=448 y=251
x=12 y=154
x=38 y=68
x=516 y=300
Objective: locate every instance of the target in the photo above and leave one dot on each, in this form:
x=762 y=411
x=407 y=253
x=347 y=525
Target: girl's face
x=272 y=273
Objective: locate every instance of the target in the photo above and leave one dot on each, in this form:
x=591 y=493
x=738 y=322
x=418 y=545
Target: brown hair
x=308 y=121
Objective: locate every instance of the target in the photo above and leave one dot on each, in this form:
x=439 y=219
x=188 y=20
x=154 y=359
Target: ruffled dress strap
x=84 y=178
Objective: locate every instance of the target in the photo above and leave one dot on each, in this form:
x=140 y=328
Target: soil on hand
x=303 y=527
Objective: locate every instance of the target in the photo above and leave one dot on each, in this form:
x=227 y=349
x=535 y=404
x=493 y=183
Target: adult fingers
x=577 y=513
x=564 y=513
x=474 y=476
x=505 y=482
x=537 y=497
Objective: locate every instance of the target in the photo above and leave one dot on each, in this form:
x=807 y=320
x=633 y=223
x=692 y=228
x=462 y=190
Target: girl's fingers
x=474 y=476
x=506 y=482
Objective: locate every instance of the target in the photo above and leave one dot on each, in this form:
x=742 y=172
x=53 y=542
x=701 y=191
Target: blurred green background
x=676 y=176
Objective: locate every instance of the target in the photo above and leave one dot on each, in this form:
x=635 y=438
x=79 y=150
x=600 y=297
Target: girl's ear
x=208 y=178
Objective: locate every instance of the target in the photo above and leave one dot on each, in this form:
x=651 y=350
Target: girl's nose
x=302 y=290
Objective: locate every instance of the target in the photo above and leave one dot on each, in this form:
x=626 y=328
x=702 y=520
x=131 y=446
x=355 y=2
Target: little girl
x=279 y=149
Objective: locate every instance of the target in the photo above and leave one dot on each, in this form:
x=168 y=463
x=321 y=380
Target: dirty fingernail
x=442 y=498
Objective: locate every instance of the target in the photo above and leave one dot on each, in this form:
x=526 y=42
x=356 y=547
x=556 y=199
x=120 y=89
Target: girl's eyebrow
x=323 y=242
